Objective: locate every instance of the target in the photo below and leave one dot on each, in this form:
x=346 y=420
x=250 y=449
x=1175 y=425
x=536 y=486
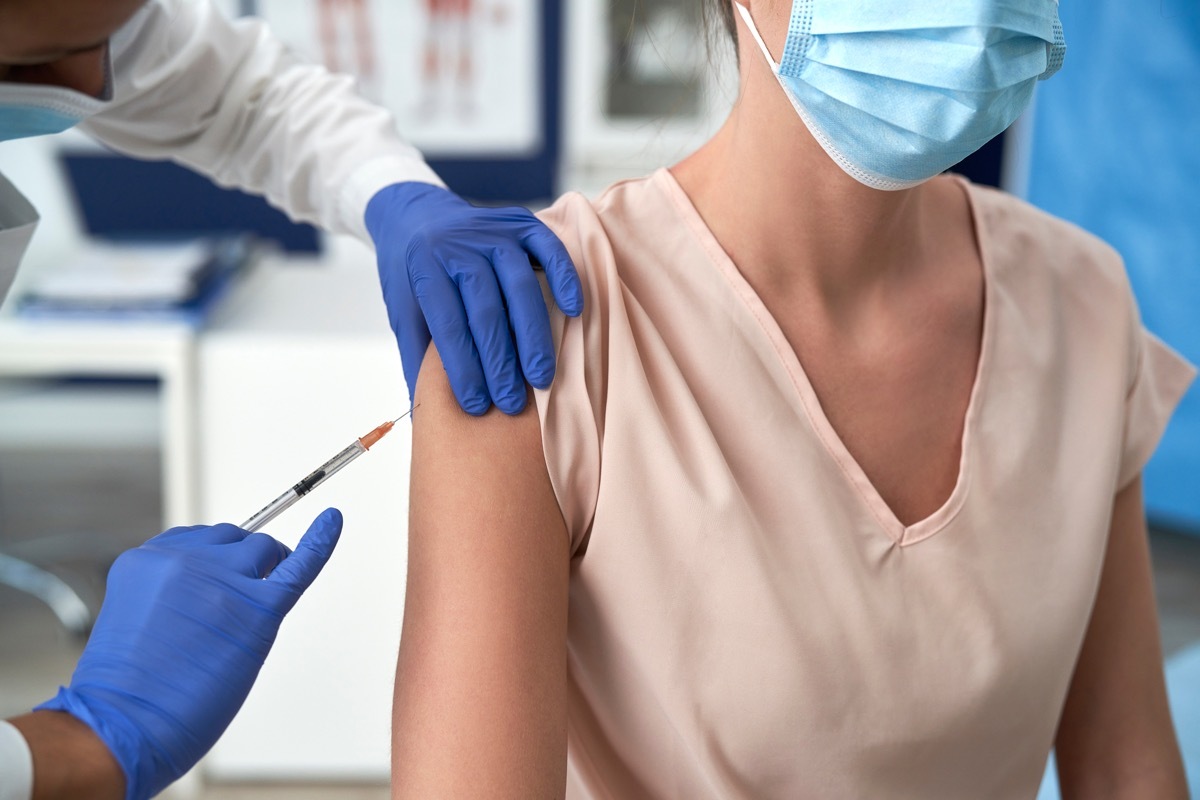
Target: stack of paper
x=140 y=282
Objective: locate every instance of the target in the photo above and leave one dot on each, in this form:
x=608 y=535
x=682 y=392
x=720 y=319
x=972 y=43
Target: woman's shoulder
x=627 y=217
x=1065 y=289
x=1022 y=238
x=1067 y=285
x=617 y=200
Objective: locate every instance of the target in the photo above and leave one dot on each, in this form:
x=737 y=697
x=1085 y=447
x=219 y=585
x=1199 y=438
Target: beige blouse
x=747 y=616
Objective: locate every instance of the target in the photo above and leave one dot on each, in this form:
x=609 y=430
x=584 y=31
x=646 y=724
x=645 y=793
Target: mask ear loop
x=749 y=20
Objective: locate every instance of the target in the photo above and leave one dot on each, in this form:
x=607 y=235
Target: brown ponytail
x=720 y=11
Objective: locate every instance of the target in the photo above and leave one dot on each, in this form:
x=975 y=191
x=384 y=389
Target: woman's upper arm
x=480 y=699
x=1115 y=739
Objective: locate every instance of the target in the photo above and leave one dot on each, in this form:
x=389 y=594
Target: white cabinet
x=298 y=363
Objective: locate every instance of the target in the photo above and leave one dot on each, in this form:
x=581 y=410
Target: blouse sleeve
x=1160 y=378
x=572 y=409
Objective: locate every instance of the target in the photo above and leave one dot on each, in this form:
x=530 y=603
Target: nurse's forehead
x=44 y=30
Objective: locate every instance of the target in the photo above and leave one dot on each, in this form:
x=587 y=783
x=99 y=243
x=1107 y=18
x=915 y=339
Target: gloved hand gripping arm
x=462 y=274
x=227 y=98
x=187 y=621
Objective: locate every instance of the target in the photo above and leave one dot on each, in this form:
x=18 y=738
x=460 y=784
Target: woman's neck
x=793 y=222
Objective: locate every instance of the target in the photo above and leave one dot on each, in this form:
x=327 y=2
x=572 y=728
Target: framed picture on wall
x=645 y=82
x=466 y=79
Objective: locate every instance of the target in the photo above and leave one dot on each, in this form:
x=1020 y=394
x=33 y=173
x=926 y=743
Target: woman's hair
x=720 y=11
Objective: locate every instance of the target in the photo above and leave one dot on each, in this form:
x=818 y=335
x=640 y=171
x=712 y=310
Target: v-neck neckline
x=896 y=530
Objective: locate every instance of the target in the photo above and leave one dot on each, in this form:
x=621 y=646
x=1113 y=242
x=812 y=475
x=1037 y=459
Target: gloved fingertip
x=540 y=368
x=539 y=377
x=475 y=405
x=569 y=296
x=324 y=532
x=331 y=519
x=575 y=293
x=512 y=404
x=300 y=568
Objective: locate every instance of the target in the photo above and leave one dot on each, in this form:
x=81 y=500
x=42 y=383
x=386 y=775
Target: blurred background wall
x=1115 y=148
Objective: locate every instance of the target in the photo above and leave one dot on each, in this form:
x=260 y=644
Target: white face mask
x=18 y=219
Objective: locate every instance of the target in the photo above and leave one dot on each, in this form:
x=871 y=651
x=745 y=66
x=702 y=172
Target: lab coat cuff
x=366 y=181
x=16 y=764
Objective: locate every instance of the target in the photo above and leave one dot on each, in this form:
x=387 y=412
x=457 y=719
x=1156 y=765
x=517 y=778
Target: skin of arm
x=1115 y=738
x=480 y=699
x=69 y=761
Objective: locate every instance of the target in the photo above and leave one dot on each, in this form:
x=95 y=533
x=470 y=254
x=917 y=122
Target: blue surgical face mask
x=21 y=121
x=898 y=92
x=28 y=109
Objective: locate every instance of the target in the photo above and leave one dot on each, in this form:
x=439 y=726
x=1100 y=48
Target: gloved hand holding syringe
x=320 y=475
x=213 y=594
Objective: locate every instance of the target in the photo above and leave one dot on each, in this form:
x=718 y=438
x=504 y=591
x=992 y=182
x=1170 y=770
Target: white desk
x=163 y=351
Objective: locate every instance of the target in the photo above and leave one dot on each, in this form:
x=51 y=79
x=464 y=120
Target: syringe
x=319 y=475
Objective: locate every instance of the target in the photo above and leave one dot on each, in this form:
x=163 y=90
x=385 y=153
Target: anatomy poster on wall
x=463 y=77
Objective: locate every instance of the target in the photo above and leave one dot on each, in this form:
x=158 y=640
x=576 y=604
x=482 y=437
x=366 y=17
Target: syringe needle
x=320 y=475
x=405 y=414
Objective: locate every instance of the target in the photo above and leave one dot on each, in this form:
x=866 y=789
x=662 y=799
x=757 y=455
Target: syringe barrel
x=310 y=482
x=271 y=510
x=330 y=467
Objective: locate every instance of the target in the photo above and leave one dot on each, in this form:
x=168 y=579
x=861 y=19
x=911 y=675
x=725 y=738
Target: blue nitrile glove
x=463 y=274
x=186 y=623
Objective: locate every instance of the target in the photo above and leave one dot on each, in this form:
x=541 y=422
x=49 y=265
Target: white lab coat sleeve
x=228 y=99
x=16 y=765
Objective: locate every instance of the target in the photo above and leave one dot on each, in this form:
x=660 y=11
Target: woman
x=836 y=491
